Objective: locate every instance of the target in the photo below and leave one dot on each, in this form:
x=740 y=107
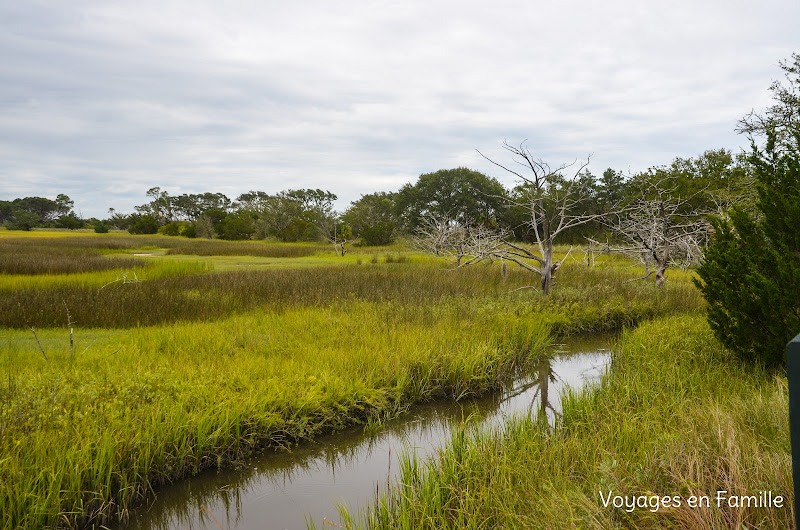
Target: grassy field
x=184 y=360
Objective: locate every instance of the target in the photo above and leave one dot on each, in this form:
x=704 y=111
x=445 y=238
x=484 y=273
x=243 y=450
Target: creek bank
x=283 y=489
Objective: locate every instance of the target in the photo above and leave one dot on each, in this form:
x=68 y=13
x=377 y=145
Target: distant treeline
x=712 y=181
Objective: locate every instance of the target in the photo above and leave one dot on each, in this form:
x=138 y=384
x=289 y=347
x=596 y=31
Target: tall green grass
x=82 y=439
x=52 y=284
x=677 y=415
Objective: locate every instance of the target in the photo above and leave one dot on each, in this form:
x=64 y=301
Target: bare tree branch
x=35 y=336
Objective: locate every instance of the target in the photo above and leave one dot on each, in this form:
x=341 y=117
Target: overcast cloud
x=103 y=100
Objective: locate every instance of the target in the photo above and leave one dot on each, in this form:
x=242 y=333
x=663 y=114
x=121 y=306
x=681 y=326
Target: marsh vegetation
x=192 y=367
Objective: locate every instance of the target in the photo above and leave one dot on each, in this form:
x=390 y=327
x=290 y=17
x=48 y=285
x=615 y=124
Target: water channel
x=287 y=489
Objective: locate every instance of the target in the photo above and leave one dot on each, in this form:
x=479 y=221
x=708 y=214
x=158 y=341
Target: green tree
x=64 y=203
x=291 y=215
x=45 y=209
x=463 y=195
x=24 y=220
x=236 y=226
x=118 y=220
x=6 y=211
x=751 y=271
x=611 y=189
x=189 y=207
x=372 y=218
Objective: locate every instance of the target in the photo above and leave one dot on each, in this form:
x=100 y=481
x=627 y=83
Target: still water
x=280 y=490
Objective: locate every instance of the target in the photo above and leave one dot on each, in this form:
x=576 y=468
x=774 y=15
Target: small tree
x=142 y=224
x=372 y=218
x=236 y=226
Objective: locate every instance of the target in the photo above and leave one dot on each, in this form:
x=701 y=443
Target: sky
x=102 y=100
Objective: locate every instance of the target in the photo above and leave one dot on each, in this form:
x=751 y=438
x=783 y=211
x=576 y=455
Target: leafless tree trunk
x=552 y=203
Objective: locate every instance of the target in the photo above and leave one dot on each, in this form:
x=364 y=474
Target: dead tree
x=552 y=202
x=660 y=230
x=338 y=234
x=465 y=244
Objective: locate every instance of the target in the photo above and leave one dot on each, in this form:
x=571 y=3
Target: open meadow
x=190 y=354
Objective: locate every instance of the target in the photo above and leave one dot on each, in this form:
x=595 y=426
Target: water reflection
x=284 y=489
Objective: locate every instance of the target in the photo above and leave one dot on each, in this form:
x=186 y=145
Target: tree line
x=463 y=195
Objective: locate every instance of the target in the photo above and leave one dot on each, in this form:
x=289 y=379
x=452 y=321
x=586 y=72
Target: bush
x=23 y=220
x=175 y=228
x=70 y=221
x=378 y=235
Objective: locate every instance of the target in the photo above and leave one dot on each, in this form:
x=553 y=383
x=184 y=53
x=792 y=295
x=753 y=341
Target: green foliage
x=64 y=204
x=45 y=209
x=31 y=212
x=372 y=218
x=460 y=194
x=751 y=272
x=143 y=224
x=298 y=230
x=378 y=234
x=118 y=220
x=174 y=228
x=189 y=230
x=236 y=226
x=101 y=227
x=23 y=220
x=6 y=211
x=70 y=221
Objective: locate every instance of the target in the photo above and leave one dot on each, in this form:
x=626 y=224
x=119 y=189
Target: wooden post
x=793 y=375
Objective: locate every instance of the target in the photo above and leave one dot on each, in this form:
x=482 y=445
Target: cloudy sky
x=102 y=100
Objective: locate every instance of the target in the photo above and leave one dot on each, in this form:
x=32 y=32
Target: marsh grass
x=86 y=438
x=584 y=300
x=677 y=415
x=144 y=271
x=246 y=248
x=45 y=256
x=192 y=369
